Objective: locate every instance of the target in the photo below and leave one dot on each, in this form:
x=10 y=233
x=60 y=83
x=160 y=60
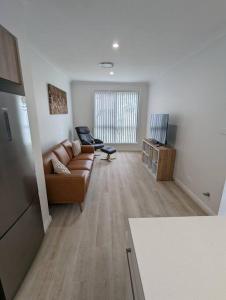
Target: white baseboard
x=47 y=223
x=194 y=197
x=128 y=150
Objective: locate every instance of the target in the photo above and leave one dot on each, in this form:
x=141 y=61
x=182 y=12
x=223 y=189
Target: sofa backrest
x=62 y=154
x=47 y=164
x=68 y=147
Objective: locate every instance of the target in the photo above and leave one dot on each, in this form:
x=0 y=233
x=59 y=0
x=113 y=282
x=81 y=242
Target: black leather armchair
x=86 y=137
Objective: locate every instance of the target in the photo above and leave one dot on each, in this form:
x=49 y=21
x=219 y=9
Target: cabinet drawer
x=9 y=57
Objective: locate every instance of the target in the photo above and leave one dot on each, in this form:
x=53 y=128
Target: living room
x=163 y=59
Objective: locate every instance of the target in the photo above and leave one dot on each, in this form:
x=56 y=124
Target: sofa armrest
x=87 y=149
x=65 y=188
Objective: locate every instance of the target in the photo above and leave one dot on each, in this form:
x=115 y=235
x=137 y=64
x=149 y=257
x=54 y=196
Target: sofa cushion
x=47 y=164
x=76 y=148
x=62 y=154
x=80 y=165
x=59 y=168
x=84 y=156
x=68 y=147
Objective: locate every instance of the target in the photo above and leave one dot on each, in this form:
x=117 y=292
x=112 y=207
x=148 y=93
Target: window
x=116 y=115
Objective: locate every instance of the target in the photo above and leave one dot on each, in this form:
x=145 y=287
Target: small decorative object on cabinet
x=159 y=160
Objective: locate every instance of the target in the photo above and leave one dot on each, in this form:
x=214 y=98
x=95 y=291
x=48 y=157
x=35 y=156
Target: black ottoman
x=108 y=150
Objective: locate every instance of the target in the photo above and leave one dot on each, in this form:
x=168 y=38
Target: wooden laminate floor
x=83 y=255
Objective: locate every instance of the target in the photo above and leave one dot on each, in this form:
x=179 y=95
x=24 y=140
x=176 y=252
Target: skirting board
x=129 y=150
x=47 y=223
x=195 y=198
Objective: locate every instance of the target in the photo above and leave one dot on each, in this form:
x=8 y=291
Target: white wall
x=35 y=133
x=83 y=105
x=194 y=94
x=53 y=128
x=36 y=72
x=46 y=130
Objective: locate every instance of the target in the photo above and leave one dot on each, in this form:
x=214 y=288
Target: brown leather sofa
x=68 y=188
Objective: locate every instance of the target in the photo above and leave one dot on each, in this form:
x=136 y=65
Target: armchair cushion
x=97 y=141
x=87 y=138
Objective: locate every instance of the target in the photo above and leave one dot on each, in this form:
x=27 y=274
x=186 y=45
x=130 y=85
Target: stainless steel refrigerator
x=21 y=228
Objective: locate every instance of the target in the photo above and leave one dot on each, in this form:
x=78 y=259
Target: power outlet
x=206 y=194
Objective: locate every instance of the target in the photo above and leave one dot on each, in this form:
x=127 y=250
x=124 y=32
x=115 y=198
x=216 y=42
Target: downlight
x=115 y=45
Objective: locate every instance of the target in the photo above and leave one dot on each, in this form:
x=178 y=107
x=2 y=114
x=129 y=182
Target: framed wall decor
x=57 y=100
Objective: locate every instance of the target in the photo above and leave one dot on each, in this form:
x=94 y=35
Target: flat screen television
x=159 y=126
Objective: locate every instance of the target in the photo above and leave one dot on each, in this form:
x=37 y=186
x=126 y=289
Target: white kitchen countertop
x=181 y=258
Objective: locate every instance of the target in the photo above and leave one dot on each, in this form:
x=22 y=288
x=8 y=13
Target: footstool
x=108 y=150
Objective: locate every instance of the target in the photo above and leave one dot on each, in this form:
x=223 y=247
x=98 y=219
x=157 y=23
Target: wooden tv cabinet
x=159 y=160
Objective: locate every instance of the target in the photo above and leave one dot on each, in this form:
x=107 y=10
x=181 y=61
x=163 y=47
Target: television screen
x=171 y=135
x=159 y=126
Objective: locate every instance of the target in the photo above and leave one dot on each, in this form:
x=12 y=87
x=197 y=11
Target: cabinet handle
x=7 y=124
x=128 y=251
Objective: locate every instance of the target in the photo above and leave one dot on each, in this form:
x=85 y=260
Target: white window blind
x=116 y=116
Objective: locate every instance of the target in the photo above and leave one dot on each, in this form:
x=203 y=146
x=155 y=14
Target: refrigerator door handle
x=2 y=295
x=7 y=124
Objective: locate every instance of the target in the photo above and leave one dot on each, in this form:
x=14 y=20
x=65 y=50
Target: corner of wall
x=25 y=55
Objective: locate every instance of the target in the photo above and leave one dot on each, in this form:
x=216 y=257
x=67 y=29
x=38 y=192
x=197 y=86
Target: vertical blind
x=116 y=114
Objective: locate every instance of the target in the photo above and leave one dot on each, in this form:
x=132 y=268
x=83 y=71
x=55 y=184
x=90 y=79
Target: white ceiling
x=154 y=35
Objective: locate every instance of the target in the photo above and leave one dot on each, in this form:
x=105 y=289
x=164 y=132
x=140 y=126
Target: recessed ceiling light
x=111 y=73
x=115 y=45
x=106 y=64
